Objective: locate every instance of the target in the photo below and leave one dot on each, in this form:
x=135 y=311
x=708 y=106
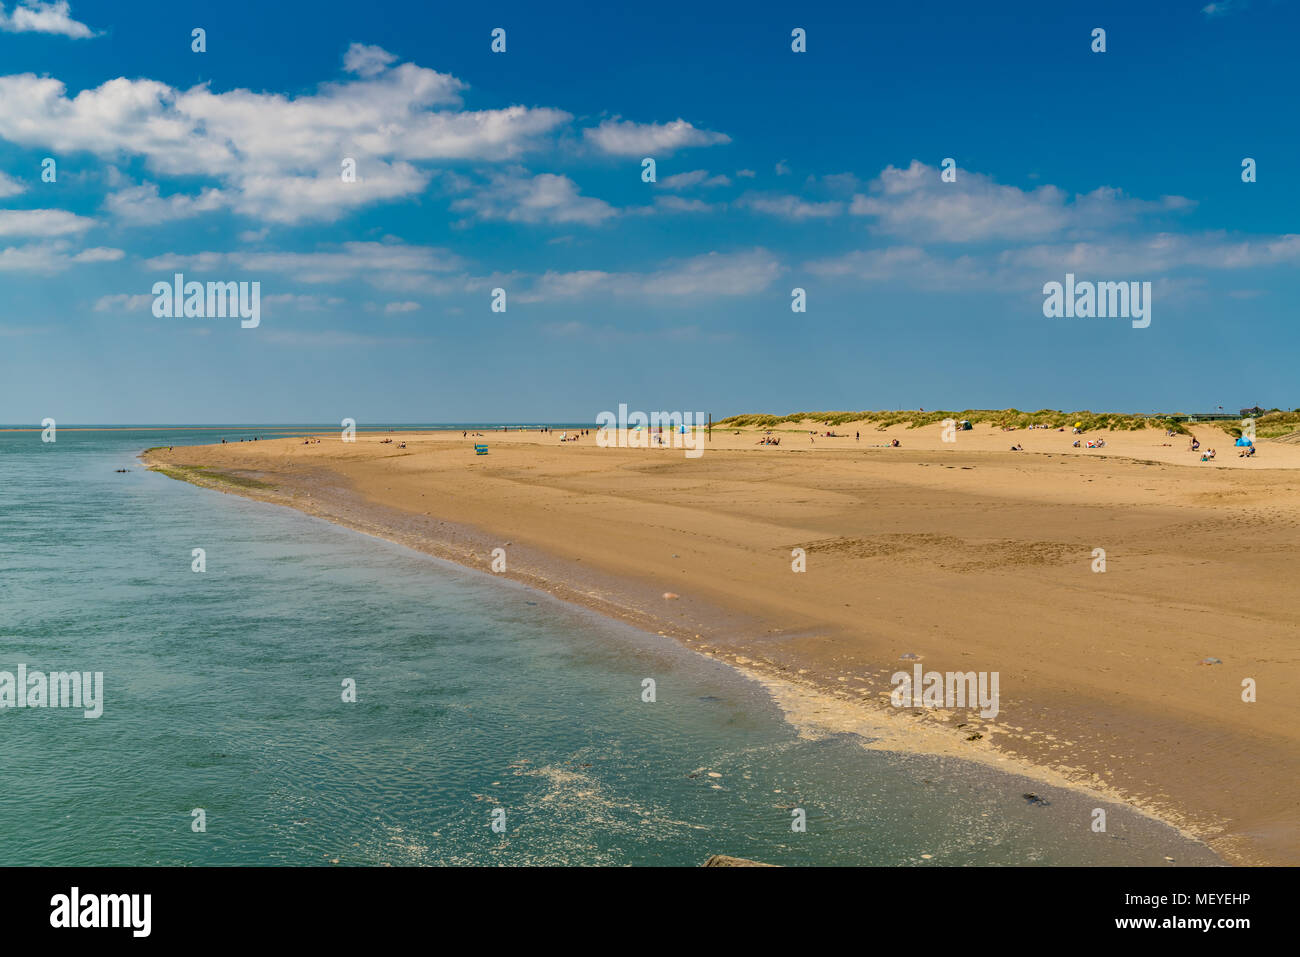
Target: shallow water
x=223 y=691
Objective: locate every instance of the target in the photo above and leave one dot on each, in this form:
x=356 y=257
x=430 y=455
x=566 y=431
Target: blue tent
x=1244 y=442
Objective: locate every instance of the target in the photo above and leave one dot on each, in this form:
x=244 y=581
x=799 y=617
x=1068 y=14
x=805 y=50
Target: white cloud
x=696 y=177
x=907 y=264
x=10 y=186
x=143 y=206
x=279 y=158
x=626 y=138
x=366 y=60
x=789 y=207
x=42 y=222
x=914 y=203
x=680 y=204
x=544 y=198
x=395 y=307
x=36 y=16
x=50 y=256
x=711 y=275
x=99 y=254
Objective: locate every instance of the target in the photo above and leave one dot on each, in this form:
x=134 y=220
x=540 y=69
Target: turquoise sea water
x=223 y=691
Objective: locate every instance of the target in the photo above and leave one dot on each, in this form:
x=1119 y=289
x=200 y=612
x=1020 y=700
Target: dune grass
x=1089 y=421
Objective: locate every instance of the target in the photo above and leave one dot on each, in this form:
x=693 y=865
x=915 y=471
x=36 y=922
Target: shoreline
x=814 y=699
x=812 y=711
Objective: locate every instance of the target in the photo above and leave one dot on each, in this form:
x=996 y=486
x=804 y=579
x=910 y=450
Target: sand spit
x=960 y=556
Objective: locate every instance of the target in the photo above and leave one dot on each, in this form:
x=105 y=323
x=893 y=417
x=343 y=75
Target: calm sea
x=223 y=690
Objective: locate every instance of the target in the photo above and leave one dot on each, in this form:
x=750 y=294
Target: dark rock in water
x=722 y=860
x=1035 y=799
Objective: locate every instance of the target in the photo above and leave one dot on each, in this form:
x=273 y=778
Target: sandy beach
x=965 y=554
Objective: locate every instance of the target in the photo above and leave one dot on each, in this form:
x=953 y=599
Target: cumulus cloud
x=277 y=157
x=42 y=222
x=916 y=204
x=366 y=60
x=51 y=256
x=618 y=137
x=142 y=205
x=36 y=16
x=544 y=198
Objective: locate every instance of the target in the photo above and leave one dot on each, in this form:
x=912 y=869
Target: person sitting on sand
x=895 y=444
x=1196 y=445
x=1017 y=448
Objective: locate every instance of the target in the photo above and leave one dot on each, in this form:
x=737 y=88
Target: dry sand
x=973 y=557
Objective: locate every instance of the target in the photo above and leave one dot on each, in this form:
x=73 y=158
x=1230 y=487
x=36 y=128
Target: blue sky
x=522 y=170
